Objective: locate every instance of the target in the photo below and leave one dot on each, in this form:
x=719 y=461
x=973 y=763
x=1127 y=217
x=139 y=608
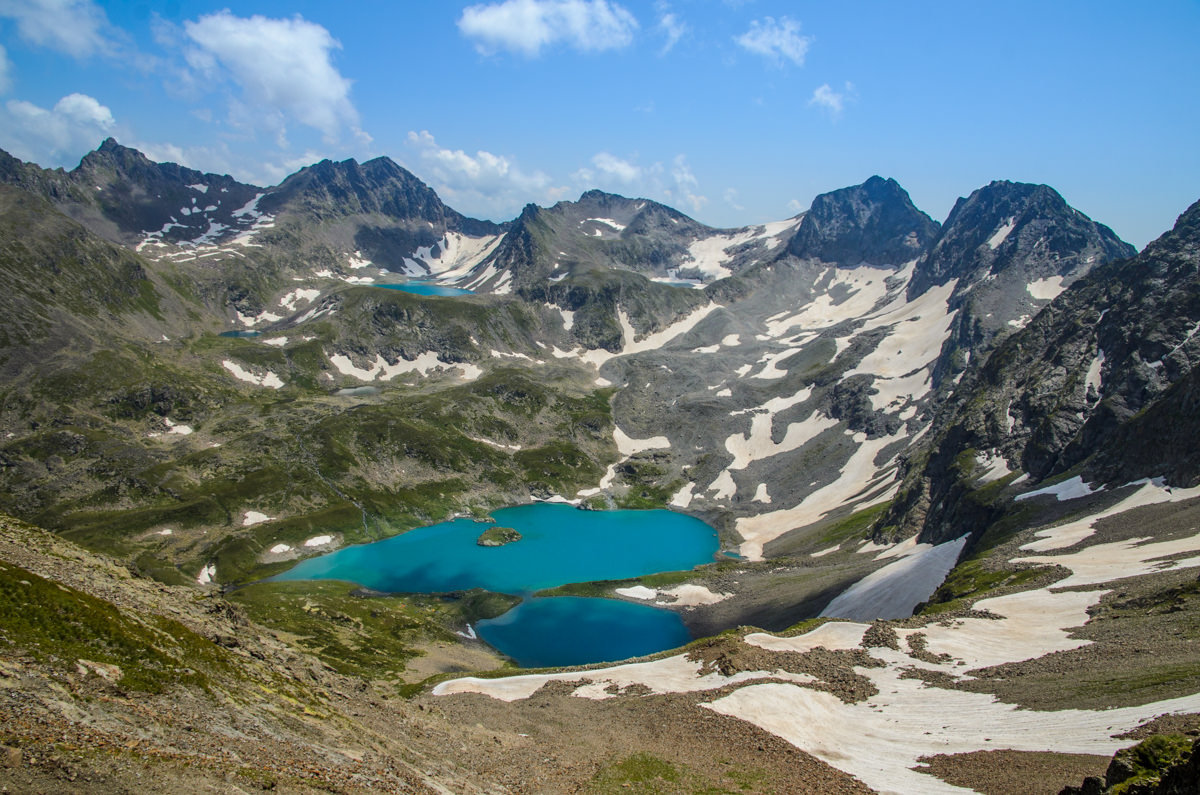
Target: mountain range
x=200 y=377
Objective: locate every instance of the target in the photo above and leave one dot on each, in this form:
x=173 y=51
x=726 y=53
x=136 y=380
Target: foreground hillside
x=1058 y=648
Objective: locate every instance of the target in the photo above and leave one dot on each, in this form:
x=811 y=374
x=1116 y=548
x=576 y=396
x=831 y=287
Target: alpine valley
x=951 y=466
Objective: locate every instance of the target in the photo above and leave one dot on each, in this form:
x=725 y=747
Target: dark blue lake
x=426 y=288
x=571 y=630
x=560 y=544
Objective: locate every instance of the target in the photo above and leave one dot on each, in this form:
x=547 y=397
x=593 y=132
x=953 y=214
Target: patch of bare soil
x=563 y=744
x=834 y=670
x=1014 y=772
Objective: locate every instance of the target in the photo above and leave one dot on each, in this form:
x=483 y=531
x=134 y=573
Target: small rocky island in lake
x=497 y=537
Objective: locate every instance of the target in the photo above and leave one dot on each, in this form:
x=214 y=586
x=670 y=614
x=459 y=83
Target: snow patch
x=1071 y=489
x=269 y=379
x=606 y=221
x=254 y=517
x=1002 y=233
x=1047 y=289
x=319 y=541
x=895 y=590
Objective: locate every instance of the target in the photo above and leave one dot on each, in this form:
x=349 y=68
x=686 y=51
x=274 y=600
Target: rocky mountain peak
x=874 y=223
x=348 y=187
x=1014 y=224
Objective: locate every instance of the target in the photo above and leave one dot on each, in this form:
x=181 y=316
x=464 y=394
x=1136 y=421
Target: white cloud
x=796 y=206
x=479 y=182
x=56 y=137
x=776 y=41
x=731 y=198
x=5 y=70
x=671 y=26
x=283 y=66
x=75 y=27
x=612 y=166
x=833 y=102
x=526 y=26
x=687 y=184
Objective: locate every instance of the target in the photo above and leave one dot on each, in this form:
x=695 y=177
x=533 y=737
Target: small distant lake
x=426 y=288
x=357 y=391
x=560 y=544
x=245 y=334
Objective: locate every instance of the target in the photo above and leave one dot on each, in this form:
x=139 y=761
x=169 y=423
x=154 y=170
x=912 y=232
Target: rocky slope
x=1099 y=384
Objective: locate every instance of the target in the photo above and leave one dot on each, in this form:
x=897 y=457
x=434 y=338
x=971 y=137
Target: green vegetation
x=602 y=588
x=60 y=626
x=853 y=526
x=971 y=579
x=640 y=773
x=355 y=633
x=497 y=536
x=649 y=775
x=1144 y=764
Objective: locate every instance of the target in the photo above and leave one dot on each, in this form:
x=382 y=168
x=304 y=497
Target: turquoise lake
x=426 y=288
x=560 y=544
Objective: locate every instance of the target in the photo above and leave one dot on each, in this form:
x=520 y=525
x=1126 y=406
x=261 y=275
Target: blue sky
x=733 y=111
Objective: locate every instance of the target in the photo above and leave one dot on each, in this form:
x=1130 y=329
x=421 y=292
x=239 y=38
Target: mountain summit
x=874 y=223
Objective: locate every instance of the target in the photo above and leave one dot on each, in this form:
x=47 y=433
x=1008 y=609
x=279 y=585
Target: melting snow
x=857 y=473
x=269 y=379
x=298 y=296
x=895 y=590
x=683 y=497
x=207 y=574
x=1095 y=378
x=1047 y=289
x=607 y=221
x=318 y=541
x=1001 y=234
x=1067 y=490
x=381 y=370
x=254 y=517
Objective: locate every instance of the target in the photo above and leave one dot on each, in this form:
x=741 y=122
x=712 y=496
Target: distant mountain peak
x=874 y=223
x=1005 y=224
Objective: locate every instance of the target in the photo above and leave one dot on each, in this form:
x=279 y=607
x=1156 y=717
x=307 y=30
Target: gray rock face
x=1011 y=225
x=874 y=223
x=1011 y=248
x=1103 y=377
x=121 y=194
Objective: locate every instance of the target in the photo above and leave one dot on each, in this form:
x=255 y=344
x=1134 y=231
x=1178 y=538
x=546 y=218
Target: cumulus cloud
x=796 y=206
x=833 y=102
x=58 y=136
x=776 y=40
x=527 y=26
x=75 y=27
x=731 y=198
x=482 y=181
x=610 y=165
x=284 y=68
